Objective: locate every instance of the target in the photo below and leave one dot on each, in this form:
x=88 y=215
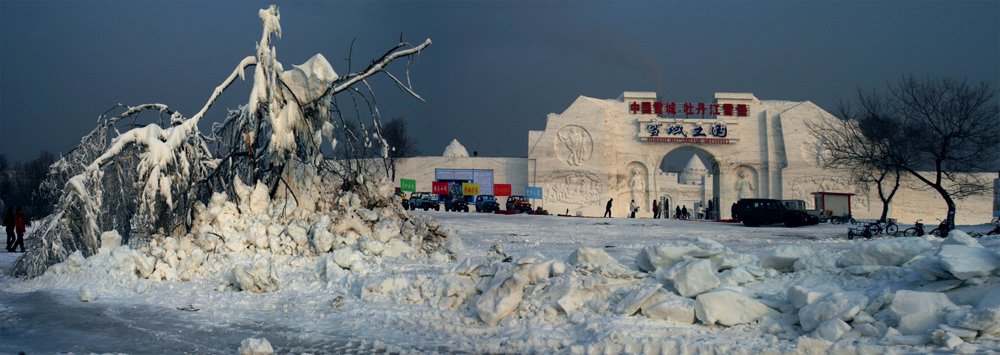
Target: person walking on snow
x=8 y=222
x=607 y=210
x=19 y=224
x=701 y=212
x=656 y=211
x=632 y=209
x=684 y=212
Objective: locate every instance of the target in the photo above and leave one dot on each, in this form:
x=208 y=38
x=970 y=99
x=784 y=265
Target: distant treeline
x=19 y=185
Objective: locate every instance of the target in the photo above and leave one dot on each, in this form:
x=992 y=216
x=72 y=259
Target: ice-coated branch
x=173 y=136
x=403 y=86
x=238 y=72
x=376 y=66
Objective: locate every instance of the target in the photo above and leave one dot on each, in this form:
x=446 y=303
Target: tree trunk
x=886 y=200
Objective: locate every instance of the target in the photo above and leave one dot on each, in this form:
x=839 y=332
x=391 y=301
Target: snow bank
x=727 y=307
x=785 y=256
x=885 y=252
x=693 y=277
x=966 y=262
x=247 y=240
x=254 y=346
x=919 y=293
x=841 y=305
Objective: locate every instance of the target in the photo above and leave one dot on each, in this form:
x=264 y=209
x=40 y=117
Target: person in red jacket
x=19 y=225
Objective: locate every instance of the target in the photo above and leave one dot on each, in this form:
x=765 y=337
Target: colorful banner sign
x=482 y=177
x=439 y=188
x=533 y=192
x=501 y=190
x=408 y=185
x=470 y=189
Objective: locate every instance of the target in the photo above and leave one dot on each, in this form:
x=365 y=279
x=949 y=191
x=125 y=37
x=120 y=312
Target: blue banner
x=533 y=192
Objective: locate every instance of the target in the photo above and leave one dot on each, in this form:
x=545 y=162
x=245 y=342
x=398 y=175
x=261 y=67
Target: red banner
x=501 y=189
x=439 y=188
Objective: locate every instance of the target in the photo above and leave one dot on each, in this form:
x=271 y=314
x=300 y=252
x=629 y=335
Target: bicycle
x=882 y=226
x=996 y=229
x=941 y=231
x=915 y=231
x=843 y=219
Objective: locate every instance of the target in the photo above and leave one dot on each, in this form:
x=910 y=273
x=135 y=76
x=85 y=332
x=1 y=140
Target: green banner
x=407 y=185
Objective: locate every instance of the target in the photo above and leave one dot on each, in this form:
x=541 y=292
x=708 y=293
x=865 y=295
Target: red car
x=519 y=204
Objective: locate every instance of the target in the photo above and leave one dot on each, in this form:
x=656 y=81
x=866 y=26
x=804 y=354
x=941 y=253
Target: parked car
x=424 y=200
x=487 y=203
x=405 y=201
x=821 y=215
x=455 y=203
x=757 y=211
x=519 y=204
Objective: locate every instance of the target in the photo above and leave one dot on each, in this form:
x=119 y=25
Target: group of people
x=14 y=223
x=681 y=212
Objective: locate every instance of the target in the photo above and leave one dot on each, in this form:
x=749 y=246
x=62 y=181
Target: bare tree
x=398 y=142
x=860 y=147
x=886 y=183
x=936 y=130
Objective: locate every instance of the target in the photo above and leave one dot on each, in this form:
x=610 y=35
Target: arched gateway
x=601 y=149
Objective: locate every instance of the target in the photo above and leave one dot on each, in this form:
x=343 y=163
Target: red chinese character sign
x=501 y=189
x=699 y=109
x=687 y=122
x=439 y=188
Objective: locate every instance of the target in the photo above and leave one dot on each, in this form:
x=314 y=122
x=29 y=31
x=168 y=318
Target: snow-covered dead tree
x=150 y=177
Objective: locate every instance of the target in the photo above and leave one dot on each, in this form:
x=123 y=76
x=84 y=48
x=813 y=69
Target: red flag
x=501 y=189
x=439 y=188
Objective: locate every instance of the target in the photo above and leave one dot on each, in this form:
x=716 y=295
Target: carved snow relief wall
x=573 y=145
x=576 y=187
x=811 y=152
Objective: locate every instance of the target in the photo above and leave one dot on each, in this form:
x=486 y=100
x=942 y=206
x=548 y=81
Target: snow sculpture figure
x=576 y=143
x=744 y=188
x=636 y=185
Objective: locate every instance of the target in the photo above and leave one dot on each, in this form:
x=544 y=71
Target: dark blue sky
x=495 y=70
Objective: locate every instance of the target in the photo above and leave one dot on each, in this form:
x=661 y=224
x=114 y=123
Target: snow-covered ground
x=399 y=305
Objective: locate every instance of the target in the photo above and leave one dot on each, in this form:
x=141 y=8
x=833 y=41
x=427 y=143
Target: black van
x=757 y=211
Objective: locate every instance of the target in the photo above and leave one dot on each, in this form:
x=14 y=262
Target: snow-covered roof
x=455 y=149
x=695 y=164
